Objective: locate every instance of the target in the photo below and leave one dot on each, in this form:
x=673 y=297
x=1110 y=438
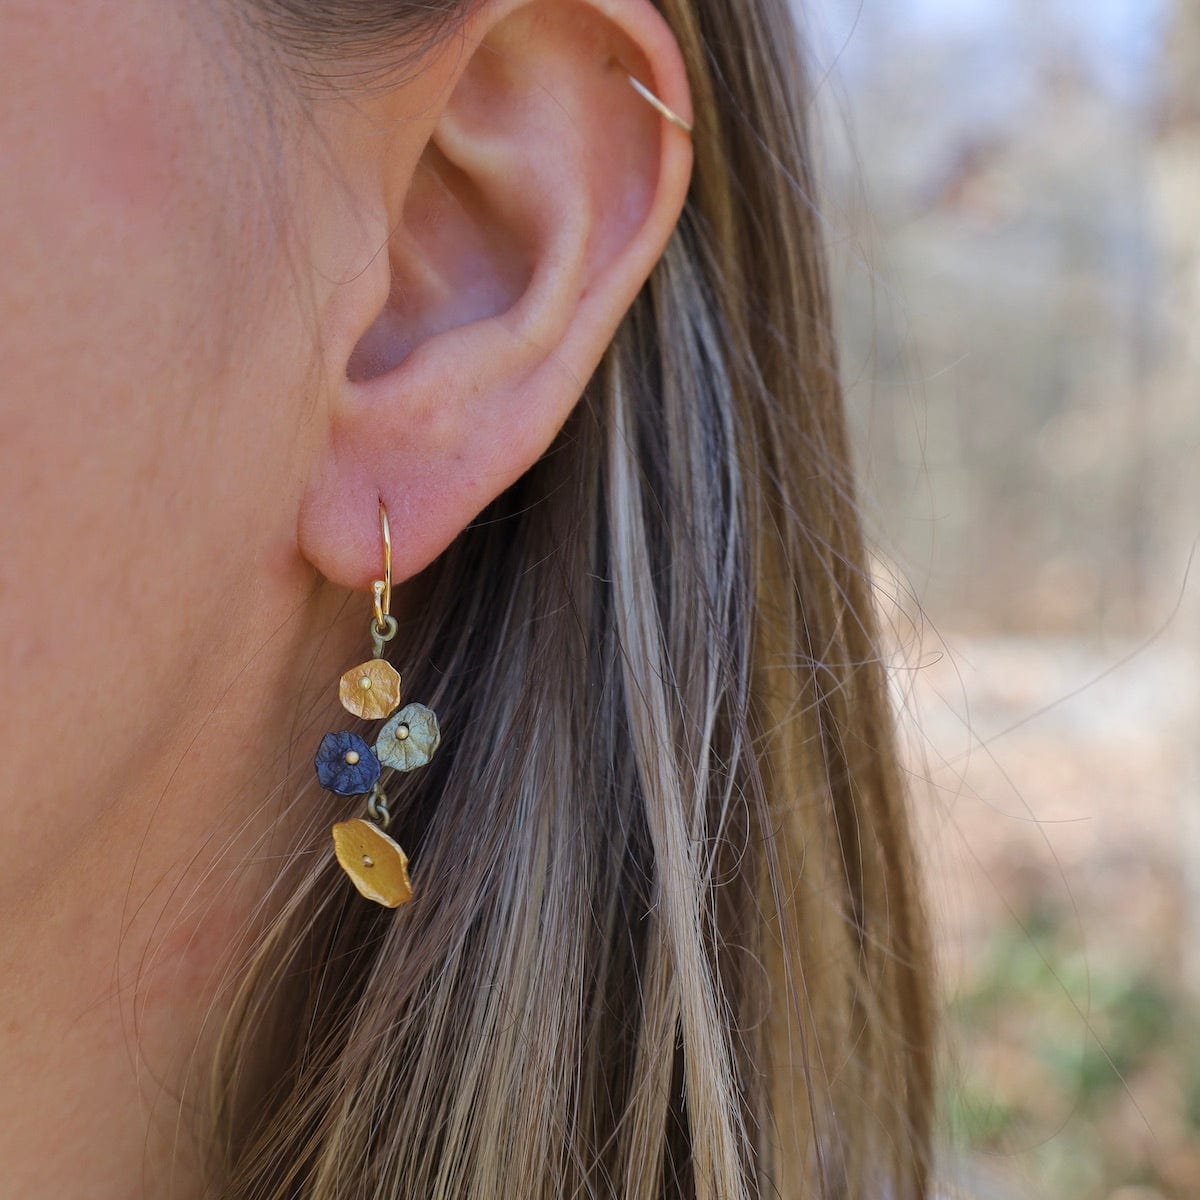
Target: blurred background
x=1012 y=193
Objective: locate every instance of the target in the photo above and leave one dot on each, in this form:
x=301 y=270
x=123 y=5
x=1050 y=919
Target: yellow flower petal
x=377 y=865
x=370 y=690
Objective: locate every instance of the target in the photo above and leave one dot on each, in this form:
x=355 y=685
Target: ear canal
x=452 y=263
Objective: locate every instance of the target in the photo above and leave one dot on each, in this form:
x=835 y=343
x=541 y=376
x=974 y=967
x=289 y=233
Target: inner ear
x=543 y=156
x=450 y=263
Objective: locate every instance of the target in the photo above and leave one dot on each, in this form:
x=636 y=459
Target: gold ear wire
x=382 y=588
x=670 y=114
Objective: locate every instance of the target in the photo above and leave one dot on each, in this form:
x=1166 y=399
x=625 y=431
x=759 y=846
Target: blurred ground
x=1013 y=205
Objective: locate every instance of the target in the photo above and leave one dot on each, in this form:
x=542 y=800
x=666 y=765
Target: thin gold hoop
x=647 y=94
x=382 y=588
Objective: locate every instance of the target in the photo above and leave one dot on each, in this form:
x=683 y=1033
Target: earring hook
x=382 y=588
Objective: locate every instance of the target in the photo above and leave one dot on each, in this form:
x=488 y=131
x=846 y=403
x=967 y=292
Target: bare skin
x=225 y=329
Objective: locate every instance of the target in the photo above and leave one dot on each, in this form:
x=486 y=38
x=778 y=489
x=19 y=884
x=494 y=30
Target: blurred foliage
x=1012 y=189
x=1055 y=1050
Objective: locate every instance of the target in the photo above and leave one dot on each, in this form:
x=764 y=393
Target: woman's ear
x=518 y=205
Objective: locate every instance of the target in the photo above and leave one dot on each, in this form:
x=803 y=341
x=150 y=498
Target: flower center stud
x=351 y=757
x=401 y=732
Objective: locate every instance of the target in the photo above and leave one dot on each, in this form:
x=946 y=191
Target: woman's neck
x=111 y=965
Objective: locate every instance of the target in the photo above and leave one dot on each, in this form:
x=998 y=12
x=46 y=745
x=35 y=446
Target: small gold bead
x=351 y=757
x=401 y=732
x=365 y=683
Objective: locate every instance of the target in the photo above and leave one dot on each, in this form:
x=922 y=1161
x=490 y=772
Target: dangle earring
x=347 y=765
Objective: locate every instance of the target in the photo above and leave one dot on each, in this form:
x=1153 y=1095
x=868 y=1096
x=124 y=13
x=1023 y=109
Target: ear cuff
x=647 y=95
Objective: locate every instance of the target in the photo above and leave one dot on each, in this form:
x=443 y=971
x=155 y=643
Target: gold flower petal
x=377 y=865
x=370 y=690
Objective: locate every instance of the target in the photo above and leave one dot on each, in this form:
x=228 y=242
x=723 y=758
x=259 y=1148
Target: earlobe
x=545 y=191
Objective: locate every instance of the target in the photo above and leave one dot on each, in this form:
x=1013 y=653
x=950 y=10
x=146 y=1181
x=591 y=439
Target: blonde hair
x=668 y=940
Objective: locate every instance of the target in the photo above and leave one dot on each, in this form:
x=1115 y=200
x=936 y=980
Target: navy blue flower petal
x=346 y=764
